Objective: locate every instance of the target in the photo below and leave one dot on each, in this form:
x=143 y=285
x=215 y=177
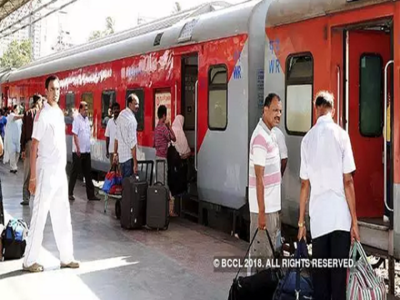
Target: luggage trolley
x=145 y=170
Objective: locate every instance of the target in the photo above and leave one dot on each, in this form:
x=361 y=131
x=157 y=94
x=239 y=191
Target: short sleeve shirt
x=264 y=151
x=49 y=130
x=326 y=155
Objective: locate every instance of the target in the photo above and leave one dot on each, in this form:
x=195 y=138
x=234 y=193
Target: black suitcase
x=157 y=212
x=133 y=202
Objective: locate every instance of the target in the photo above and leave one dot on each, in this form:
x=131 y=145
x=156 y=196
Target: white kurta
x=51 y=187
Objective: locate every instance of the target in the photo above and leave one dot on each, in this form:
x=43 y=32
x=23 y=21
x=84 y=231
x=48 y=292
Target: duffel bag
x=296 y=285
x=14 y=239
x=261 y=285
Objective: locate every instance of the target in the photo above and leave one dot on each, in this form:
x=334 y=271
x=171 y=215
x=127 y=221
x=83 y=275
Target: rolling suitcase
x=133 y=202
x=157 y=212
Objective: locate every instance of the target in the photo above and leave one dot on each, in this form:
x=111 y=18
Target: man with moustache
x=125 y=145
x=48 y=182
x=265 y=182
x=81 y=153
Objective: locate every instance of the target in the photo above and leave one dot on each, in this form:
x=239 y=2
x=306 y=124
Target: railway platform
x=117 y=263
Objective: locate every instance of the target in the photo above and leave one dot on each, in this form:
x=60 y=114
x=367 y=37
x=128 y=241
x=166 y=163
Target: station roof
x=7 y=7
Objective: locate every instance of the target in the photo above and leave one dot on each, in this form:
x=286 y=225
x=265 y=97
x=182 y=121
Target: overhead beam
x=37 y=20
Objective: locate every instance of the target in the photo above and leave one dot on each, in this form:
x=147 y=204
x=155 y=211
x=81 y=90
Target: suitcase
x=133 y=202
x=157 y=212
x=145 y=171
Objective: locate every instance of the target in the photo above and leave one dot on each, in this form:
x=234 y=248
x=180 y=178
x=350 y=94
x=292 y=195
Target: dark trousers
x=331 y=283
x=82 y=163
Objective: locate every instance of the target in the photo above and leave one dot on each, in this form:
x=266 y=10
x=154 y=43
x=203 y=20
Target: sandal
x=35 y=268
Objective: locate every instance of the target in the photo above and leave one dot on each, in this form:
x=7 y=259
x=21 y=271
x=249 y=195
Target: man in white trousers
x=48 y=182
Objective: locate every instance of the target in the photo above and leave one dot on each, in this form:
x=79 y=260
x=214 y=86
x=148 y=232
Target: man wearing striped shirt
x=265 y=181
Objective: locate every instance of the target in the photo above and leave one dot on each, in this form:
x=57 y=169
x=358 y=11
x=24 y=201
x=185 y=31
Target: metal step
x=374 y=233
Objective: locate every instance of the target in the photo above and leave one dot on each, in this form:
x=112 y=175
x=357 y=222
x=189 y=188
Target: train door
x=368 y=50
x=189 y=65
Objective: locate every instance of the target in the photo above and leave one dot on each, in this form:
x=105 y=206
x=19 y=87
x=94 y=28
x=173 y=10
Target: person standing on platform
x=110 y=134
x=48 y=182
x=163 y=136
x=125 y=144
x=326 y=172
x=81 y=153
x=265 y=179
x=12 y=143
x=26 y=140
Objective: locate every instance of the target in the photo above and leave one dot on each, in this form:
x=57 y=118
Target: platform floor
x=116 y=263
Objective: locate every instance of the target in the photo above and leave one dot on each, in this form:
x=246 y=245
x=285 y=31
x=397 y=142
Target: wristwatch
x=300 y=224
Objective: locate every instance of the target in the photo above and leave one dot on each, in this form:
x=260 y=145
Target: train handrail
x=195 y=123
x=338 y=94
x=385 y=139
x=176 y=97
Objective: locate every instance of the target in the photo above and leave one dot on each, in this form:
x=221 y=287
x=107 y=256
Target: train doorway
x=189 y=97
x=367 y=90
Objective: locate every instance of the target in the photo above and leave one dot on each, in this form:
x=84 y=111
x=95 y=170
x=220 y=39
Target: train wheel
x=118 y=209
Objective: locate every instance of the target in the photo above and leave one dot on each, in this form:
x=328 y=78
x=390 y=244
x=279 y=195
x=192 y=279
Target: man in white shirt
x=283 y=152
x=265 y=182
x=111 y=131
x=48 y=182
x=81 y=153
x=125 y=146
x=327 y=164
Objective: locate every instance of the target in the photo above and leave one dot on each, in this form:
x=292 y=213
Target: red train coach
x=206 y=64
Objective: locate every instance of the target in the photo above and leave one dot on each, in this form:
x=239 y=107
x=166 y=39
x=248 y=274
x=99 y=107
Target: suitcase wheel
x=118 y=209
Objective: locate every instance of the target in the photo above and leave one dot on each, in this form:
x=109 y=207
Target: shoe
x=24 y=203
x=35 y=268
x=94 y=198
x=71 y=198
x=71 y=265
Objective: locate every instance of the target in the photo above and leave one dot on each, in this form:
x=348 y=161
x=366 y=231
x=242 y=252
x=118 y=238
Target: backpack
x=14 y=239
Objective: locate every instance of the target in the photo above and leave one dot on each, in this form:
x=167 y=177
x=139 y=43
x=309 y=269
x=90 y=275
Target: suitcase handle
x=148 y=165
x=163 y=162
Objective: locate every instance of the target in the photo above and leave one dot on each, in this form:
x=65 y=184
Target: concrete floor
x=116 y=263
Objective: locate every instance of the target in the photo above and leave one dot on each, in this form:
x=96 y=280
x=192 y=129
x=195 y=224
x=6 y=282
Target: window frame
x=289 y=82
x=216 y=87
x=115 y=100
x=380 y=132
x=140 y=127
x=160 y=90
x=66 y=107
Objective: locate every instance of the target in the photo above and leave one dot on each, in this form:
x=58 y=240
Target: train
x=215 y=64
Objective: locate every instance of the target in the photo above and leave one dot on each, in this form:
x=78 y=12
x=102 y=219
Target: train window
x=88 y=98
x=299 y=91
x=140 y=114
x=107 y=100
x=217 y=97
x=371 y=108
x=69 y=108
